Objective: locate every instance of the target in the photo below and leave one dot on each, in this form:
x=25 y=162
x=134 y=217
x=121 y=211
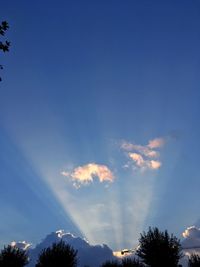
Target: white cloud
x=144 y=157
x=85 y=174
x=23 y=245
x=191 y=237
x=88 y=254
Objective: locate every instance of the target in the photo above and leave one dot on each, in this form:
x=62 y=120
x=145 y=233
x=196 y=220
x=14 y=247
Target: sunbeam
x=118 y=217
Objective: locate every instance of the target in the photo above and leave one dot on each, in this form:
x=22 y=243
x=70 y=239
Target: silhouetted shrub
x=59 y=255
x=194 y=261
x=13 y=257
x=126 y=262
x=159 y=249
x=4 y=46
x=111 y=264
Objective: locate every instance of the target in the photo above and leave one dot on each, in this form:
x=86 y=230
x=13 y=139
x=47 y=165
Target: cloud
x=138 y=159
x=191 y=237
x=143 y=164
x=191 y=232
x=156 y=143
x=64 y=173
x=144 y=157
x=85 y=174
x=88 y=255
x=23 y=245
x=154 y=164
x=144 y=150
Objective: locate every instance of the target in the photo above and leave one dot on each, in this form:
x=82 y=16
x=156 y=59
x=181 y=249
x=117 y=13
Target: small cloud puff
x=156 y=143
x=85 y=174
x=191 y=237
x=145 y=157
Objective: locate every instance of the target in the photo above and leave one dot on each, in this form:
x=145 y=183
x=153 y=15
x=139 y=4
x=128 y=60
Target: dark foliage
x=194 y=261
x=128 y=262
x=59 y=255
x=111 y=264
x=3 y=27
x=158 y=249
x=13 y=257
x=4 y=46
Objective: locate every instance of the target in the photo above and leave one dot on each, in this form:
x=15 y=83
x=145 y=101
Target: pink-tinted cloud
x=138 y=159
x=154 y=164
x=147 y=156
x=144 y=150
x=144 y=163
x=85 y=174
x=156 y=143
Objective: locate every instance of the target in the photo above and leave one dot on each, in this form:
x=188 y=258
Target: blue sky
x=83 y=78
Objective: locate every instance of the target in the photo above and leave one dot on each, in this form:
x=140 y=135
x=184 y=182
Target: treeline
x=156 y=249
x=4 y=46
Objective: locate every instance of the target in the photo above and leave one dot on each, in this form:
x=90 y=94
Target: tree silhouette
x=158 y=249
x=4 y=46
x=13 y=257
x=194 y=261
x=128 y=262
x=59 y=255
x=111 y=264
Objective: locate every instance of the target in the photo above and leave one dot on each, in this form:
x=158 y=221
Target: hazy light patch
x=85 y=174
x=97 y=214
x=98 y=221
x=89 y=217
x=137 y=205
x=76 y=211
x=45 y=156
x=114 y=209
x=144 y=157
x=95 y=219
x=47 y=170
x=84 y=210
x=11 y=218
